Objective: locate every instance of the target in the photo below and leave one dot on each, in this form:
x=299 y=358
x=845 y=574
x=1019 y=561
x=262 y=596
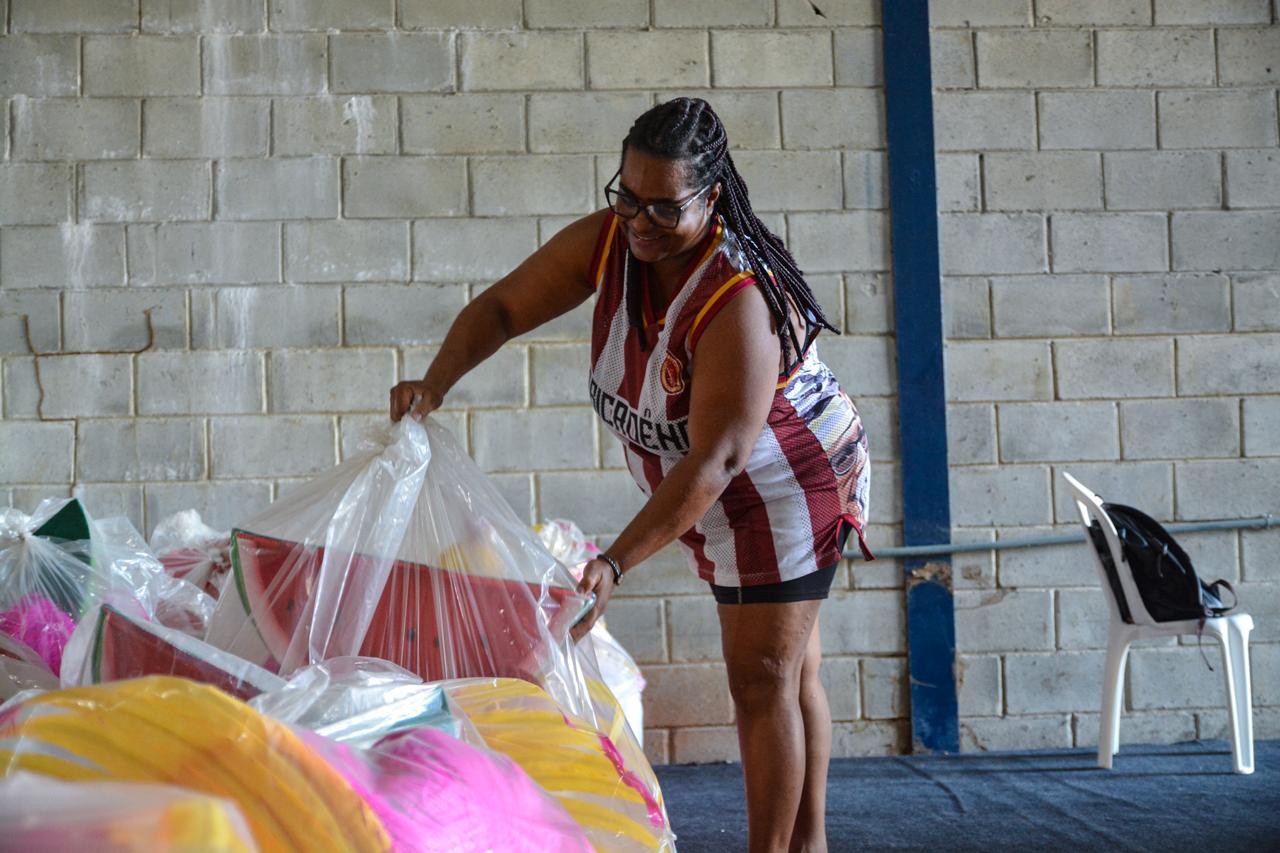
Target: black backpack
x=1170 y=588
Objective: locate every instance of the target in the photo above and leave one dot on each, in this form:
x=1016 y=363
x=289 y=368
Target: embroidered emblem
x=672 y=375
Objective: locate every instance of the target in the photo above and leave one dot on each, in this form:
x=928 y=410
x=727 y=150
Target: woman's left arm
x=734 y=379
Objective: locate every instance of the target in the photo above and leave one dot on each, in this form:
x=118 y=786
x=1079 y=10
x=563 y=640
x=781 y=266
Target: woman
x=750 y=454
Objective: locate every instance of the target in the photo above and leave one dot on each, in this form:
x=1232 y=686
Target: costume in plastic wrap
x=193 y=551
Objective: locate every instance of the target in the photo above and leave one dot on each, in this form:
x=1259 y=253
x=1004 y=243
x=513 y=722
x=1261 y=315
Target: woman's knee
x=764 y=680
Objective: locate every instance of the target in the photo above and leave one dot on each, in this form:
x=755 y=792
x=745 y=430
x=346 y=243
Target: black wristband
x=613 y=564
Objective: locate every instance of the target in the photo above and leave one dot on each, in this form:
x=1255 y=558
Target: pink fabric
x=42 y=625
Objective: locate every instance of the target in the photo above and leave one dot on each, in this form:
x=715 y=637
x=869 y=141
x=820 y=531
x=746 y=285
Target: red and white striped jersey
x=809 y=470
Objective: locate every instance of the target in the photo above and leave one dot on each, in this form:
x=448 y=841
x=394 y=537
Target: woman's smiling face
x=654 y=180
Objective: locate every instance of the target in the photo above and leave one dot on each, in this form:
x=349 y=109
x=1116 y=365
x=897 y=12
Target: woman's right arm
x=552 y=281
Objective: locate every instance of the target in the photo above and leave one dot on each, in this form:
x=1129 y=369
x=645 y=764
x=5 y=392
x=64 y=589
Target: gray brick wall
x=1109 y=201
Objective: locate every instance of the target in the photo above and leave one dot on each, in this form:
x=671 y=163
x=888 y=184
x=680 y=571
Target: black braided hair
x=688 y=130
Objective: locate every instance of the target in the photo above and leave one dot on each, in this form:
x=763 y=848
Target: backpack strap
x=1222 y=584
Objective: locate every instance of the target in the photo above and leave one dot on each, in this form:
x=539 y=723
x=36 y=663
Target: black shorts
x=813 y=586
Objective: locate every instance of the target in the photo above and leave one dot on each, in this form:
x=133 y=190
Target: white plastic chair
x=1232 y=633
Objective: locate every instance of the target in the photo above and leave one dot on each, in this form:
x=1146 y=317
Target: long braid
x=687 y=129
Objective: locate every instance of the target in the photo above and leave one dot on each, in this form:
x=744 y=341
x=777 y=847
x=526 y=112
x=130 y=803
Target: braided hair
x=688 y=130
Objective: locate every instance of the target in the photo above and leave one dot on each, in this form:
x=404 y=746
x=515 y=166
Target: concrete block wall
x=1111 y=240
x=303 y=195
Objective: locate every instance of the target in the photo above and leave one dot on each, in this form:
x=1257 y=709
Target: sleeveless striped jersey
x=780 y=517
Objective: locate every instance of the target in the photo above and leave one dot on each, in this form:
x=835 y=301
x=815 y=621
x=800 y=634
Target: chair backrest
x=1090 y=508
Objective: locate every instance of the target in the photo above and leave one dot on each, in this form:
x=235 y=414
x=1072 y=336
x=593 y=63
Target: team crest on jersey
x=672 y=375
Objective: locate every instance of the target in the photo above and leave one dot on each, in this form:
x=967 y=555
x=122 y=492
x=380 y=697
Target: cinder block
x=400 y=315
x=886 y=693
x=999 y=370
x=1218 y=119
x=959 y=186
x=869 y=303
x=687 y=695
x=285 y=188
x=1142 y=484
x=248 y=317
x=1261 y=414
x=983 y=244
x=866 y=363
x=270 y=446
x=69 y=256
x=141 y=65
x=713 y=13
x=265 y=65
x=984 y=121
x=34 y=193
x=141 y=449
x=346 y=380
x=827 y=289
x=1171 y=303
x=839 y=678
x=966 y=307
x=1052 y=432
x=887 y=507
x=204 y=253
x=1043 y=181
x=1004 y=620
x=222 y=504
x=559 y=373
x=1082 y=614
x=459 y=14
x=1179 y=429
x=75 y=129
x=206 y=127
x=573 y=122
x=1059 y=681
x=471 y=249
x=36 y=452
x=1217 y=554
x=41 y=309
x=859 y=59
x=792 y=180
x=113 y=499
x=1004 y=494
x=980 y=13
x=500 y=380
x=702 y=744
x=1028 y=59
x=644 y=60
x=599 y=501
x=1253 y=178
x=665 y=574
x=695 y=629
x=1172 y=678
x=1065 y=13
x=1116 y=367
x=1155 y=57
x=73 y=16
x=392 y=62
x=533 y=184
x=1213 y=12
x=199 y=383
x=548 y=439
x=1109 y=242
x=1261 y=548
x=971 y=433
x=774 y=58
x=75 y=386
x=404 y=187
x=346 y=251
x=521 y=60
x=854 y=13
x=359 y=124
x=200 y=16
x=862 y=738
x=983 y=734
x=462 y=124
x=1163 y=180
x=1050 y=306
x=39 y=66
x=752 y=119
x=1228 y=364
x=978 y=685
x=865 y=622
x=582 y=14
x=146 y=190
x=1244 y=240
x=1248 y=57
x=1255 y=298
x=835 y=242
x=834 y=118
x=1216 y=489
x=115 y=320
x=1097 y=120
x=638 y=625
x=952 y=59
x=1139 y=728
x=328 y=15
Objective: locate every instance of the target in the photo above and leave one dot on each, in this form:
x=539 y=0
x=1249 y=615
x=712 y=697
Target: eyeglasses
x=664 y=215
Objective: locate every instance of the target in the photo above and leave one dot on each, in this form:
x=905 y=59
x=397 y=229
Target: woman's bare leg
x=764 y=651
x=810 y=833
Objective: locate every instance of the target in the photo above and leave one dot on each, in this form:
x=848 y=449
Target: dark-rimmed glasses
x=663 y=214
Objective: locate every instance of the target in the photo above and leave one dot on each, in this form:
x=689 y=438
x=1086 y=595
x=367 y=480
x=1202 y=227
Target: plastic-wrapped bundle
x=173 y=731
x=408 y=553
x=610 y=791
x=39 y=813
x=192 y=551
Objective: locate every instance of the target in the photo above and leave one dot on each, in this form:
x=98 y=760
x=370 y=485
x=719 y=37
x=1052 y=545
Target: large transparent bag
x=192 y=551
x=407 y=553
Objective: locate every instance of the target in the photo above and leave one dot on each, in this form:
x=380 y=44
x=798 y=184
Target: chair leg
x=1118 y=642
x=1235 y=655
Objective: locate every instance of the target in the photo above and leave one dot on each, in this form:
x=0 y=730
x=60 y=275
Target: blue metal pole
x=917 y=294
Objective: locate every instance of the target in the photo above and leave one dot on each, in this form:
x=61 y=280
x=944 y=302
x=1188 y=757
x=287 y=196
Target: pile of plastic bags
x=381 y=660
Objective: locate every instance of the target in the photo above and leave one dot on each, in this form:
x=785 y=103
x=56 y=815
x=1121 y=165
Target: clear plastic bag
x=192 y=551
x=406 y=553
x=22 y=668
x=38 y=813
